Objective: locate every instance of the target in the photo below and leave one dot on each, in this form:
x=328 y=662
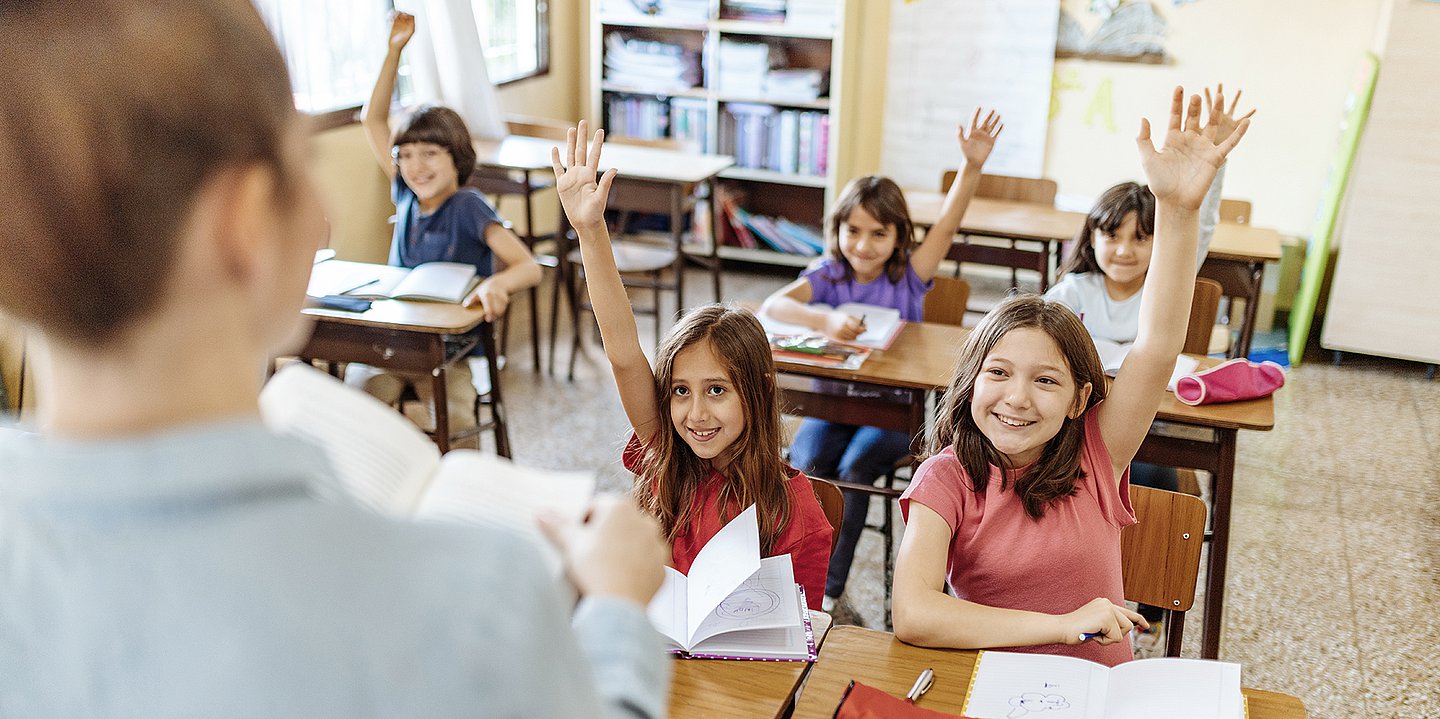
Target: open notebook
x=433 y=281
x=383 y=462
x=882 y=324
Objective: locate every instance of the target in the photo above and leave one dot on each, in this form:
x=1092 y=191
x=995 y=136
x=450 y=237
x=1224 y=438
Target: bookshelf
x=718 y=76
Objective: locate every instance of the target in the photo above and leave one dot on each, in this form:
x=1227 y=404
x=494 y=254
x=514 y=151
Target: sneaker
x=1149 y=642
x=827 y=604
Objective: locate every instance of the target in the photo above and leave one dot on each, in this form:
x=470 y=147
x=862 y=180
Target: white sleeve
x=1210 y=215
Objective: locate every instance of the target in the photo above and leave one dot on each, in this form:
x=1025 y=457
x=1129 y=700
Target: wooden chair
x=945 y=303
x=1019 y=189
x=833 y=503
x=1160 y=555
x=1235 y=211
x=1204 y=307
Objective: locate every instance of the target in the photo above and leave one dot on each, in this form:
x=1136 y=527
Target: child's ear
x=1082 y=397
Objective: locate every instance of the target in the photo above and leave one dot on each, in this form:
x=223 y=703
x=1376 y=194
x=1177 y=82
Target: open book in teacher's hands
x=734 y=605
x=1009 y=685
x=381 y=461
x=448 y=282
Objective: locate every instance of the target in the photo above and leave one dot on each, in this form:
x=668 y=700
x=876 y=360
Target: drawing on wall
x=748 y=602
x=1130 y=31
x=1035 y=702
x=1102 y=106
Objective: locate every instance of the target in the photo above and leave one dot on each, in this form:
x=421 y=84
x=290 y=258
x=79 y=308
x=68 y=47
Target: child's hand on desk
x=1099 y=616
x=617 y=552
x=843 y=327
x=582 y=196
x=1180 y=172
x=492 y=298
x=977 y=144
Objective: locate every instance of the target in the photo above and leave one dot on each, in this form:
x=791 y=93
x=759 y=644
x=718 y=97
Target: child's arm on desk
x=975 y=147
x=1179 y=174
x=584 y=198
x=926 y=616
x=520 y=273
x=791 y=304
x=375 y=116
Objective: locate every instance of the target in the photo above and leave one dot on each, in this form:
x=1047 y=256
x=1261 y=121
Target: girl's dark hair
x=1106 y=216
x=1053 y=475
x=670 y=472
x=884 y=200
x=441 y=126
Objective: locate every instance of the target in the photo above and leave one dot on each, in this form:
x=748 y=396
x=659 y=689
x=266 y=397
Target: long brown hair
x=1053 y=475
x=1106 y=216
x=670 y=473
x=884 y=200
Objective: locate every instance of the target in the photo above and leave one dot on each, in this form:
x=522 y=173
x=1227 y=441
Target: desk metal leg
x=1222 y=485
x=442 y=407
x=1252 y=309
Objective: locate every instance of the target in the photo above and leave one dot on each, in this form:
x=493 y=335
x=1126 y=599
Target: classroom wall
x=1295 y=61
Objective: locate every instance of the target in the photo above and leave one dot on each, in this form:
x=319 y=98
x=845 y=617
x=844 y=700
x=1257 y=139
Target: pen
x=922 y=685
x=1087 y=636
x=356 y=287
x=862 y=323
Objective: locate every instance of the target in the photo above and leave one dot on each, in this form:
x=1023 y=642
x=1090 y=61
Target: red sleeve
x=632 y=454
x=807 y=540
x=1099 y=480
x=938 y=485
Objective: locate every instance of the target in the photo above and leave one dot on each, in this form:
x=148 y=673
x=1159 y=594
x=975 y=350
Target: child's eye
x=680 y=391
x=995 y=372
x=716 y=390
x=1046 y=380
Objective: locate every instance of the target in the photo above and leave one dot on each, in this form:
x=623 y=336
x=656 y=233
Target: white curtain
x=447 y=64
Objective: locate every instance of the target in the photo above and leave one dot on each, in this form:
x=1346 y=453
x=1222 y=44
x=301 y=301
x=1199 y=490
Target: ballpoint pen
x=1087 y=636
x=922 y=685
x=356 y=287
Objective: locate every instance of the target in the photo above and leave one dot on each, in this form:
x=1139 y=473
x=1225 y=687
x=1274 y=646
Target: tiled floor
x=1334 y=581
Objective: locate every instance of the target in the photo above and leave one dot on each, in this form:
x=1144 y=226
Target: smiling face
x=1123 y=256
x=429 y=170
x=705 y=406
x=1024 y=393
x=866 y=243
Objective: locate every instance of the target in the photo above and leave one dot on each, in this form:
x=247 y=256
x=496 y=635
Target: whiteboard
x=949 y=56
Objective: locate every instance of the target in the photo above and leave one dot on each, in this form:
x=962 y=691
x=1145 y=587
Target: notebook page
x=881 y=323
x=1173 y=687
x=441 y=281
x=729 y=558
x=380 y=460
x=776 y=642
x=357 y=280
x=765 y=600
x=1010 y=685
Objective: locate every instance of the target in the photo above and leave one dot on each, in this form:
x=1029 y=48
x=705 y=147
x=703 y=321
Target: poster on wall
x=949 y=56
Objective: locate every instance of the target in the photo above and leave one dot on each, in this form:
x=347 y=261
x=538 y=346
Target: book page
x=729 y=558
x=1112 y=354
x=788 y=642
x=380 y=460
x=881 y=324
x=354 y=279
x=1009 y=685
x=764 y=601
x=437 y=281
x=1173 y=687
x=667 y=608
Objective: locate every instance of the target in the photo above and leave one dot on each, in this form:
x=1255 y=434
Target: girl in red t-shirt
x=1021 y=507
x=714 y=384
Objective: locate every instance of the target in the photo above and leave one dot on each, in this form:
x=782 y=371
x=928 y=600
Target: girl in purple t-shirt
x=872 y=259
x=1021 y=507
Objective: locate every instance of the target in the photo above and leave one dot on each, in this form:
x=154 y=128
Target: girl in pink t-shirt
x=1021 y=507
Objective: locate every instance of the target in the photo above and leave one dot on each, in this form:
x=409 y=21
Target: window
x=333 y=49
x=516 y=37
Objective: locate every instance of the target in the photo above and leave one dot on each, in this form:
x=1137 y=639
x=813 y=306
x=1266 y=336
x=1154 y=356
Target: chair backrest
x=945 y=303
x=1235 y=211
x=833 y=503
x=543 y=127
x=1160 y=554
x=1004 y=187
x=1204 y=306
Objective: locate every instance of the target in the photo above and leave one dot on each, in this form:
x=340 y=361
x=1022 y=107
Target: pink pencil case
x=1230 y=381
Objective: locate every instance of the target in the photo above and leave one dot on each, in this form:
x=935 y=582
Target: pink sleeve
x=1114 y=498
x=938 y=485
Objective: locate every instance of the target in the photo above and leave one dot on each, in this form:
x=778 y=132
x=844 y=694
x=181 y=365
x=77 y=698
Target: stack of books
x=649 y=65
x=777 y=233
x=801 y=84
x=810 y=14
x=753 y=10
x=640 y=116
x=670 y=10
x=743 y=66
x=763 y=137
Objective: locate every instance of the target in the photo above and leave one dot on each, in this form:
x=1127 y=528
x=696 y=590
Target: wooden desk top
x=646 y=163
x=1031 y=221
x=882 y=661
x=923 y=357
x=743 y=690
x=403 y=315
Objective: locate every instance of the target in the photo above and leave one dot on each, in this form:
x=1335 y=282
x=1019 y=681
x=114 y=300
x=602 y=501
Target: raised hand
x=582 y=196
x=977 y=144
x=1220 y=121
x=402 y=28
x=1181 y=170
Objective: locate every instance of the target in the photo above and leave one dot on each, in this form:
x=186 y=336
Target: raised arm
x=375 y=116
x=584 y=201
x=1220 y=124
x=1180 y=174
x=926 y=616
x=975 y=147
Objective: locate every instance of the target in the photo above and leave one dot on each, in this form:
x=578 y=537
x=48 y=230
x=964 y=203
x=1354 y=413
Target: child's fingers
x=1248 y=114
x=1235 y=102
x=1144 y=137
x=603 y=188
x=555 y=529
x=996 y=133
x=570 y=146
x=1192 y=115
x=555 y=162
x=975 y=121
x=592 y=160
x=1177 y=101
x=582 y=137
x=1234 y=138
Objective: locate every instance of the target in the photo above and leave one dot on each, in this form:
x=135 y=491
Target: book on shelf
x=649 y=65
x=764 y=137
x=383 y=462
x=817 y=15
x=753 y=10
x=882 y=324
x=697 y=11
x=431 y=282
x=797 y=84
x=733 y=604
x=1010 y=684
x=742 y=67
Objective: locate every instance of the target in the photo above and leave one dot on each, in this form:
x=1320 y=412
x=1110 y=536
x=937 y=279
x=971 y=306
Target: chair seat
x=635 y=257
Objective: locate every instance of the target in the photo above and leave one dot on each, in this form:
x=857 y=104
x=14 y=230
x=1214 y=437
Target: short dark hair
x=439 y=125
x=114 y=117
x=883 y=200
x=1106 y=216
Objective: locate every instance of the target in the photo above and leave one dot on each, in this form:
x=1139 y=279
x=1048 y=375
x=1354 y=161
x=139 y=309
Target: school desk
x=889 y=391
x=651 y=180
x=879 y=660
x=1236 y=258
x=426 y=337
x=724 y=688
